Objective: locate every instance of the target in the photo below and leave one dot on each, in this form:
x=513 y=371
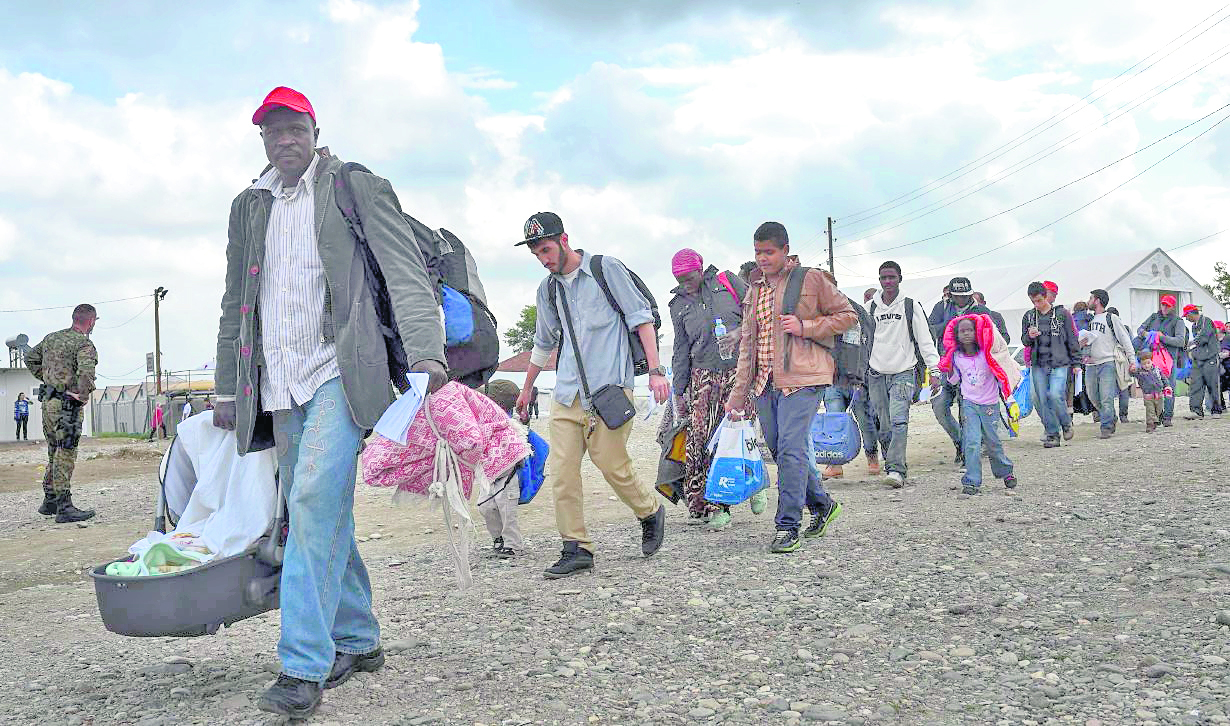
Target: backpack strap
x=724 y=278
x=909 y=327
x=595 y=268
x=794 y=289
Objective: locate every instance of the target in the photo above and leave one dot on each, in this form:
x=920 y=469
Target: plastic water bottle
x=719 y=332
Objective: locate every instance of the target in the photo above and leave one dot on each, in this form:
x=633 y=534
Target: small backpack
x=640 y=363
x=835 y=437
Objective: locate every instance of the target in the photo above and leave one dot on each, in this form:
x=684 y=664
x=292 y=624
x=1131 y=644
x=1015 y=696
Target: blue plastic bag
x=737 y=471
x=835 y=437
x=458 y=317
x=1024 y=395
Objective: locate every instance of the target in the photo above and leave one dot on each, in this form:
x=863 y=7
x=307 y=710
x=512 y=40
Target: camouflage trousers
x=62 y=427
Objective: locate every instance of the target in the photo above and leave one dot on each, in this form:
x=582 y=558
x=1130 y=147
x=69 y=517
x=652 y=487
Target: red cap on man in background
x=1050 y=286
x=1169 y=301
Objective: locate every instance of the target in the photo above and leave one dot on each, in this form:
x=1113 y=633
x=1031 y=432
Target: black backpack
x=849 y=358
x=640 y=363
x=447 y=262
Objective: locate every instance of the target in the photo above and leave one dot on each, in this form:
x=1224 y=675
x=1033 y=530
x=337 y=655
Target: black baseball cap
x=960 y=286
x=541 y=226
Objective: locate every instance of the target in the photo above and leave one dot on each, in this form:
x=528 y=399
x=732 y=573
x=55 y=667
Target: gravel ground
x=1097 y=593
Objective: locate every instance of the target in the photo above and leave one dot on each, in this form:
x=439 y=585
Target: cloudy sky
x=647 y=125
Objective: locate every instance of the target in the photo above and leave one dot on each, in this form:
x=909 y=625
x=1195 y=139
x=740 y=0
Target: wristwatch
x=659 y=371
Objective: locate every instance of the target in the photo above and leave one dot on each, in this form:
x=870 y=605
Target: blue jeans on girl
x=980 y=432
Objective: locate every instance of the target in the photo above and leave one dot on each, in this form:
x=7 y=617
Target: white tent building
x=1135 y=282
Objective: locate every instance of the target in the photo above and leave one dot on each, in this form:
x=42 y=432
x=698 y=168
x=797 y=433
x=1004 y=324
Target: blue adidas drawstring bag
x=533 y=468
x=835 y=437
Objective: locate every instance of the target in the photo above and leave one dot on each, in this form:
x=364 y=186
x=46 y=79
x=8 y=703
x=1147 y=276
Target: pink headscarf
x=686 y=260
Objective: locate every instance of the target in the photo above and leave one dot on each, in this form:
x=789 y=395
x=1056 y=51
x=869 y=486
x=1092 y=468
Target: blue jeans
x=941 y=405
x=855 y=399
x=1103 y=385
x=891 y=396
x=786 y=424
x=325 y=592
x=1125 y=395
x=980 y=431
x=1050 y=389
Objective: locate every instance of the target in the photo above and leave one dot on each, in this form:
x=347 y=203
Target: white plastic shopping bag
x=737 y=471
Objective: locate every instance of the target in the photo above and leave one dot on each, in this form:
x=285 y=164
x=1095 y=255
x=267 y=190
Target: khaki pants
x=572 y=433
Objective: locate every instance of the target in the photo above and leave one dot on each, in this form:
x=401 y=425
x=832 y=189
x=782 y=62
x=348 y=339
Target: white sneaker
x=895 y=479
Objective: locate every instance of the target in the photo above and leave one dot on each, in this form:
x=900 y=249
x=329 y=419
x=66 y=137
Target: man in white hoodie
x=902 y=341
x=1099 y=341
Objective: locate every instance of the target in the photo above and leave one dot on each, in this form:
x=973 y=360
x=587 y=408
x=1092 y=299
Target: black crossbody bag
x=609 y=402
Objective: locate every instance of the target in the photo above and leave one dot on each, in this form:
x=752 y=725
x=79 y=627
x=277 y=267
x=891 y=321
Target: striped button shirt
x=292 y=297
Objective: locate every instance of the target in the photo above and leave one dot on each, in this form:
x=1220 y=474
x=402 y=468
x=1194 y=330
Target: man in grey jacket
x=301 y=358
x=1105 y=333
x=1205 y=352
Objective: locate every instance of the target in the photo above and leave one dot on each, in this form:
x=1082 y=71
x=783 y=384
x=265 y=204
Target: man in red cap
x=1174 y=339
x=1205 y=361
x=304 y=366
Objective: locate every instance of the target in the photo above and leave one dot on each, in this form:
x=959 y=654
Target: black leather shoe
x=292 y=697
x=573 y=559
x=346 y=664
x=653 y=531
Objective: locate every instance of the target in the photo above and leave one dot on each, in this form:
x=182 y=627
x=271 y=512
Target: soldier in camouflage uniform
x=64 y=361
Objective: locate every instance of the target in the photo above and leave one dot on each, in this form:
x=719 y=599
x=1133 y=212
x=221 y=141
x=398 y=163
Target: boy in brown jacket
x=784 y=365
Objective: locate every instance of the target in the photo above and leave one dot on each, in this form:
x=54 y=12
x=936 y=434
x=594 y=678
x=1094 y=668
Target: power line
x=113 y=327
x=1034 y=159
x=1188 y=244
x=1060 y=188
x=1085 y=205
x=66 y=307
x=1039 y=128
x=122 y=375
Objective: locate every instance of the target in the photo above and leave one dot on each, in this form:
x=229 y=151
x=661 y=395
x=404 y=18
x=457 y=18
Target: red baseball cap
x=283 y=97
x=1219 y=325
x=1168 y=301
x=1050 y=286
x=1189 y=309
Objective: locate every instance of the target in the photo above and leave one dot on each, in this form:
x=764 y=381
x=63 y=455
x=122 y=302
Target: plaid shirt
x=765 y=318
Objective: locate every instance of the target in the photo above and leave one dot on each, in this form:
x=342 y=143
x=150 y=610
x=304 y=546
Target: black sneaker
x=821 y=519
x=1123 y=418
x=653 y=531
x=970 y=489
x=1167 y=422
x=1052 y=442
x=292 y=697
x=506 y=553
x=573 y=559
x=785 y=540
x=346 y=665
x=498 y=544
x=1010 y=481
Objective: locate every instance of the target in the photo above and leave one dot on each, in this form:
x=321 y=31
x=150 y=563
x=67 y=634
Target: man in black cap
x=961 y=296
x=573 y=298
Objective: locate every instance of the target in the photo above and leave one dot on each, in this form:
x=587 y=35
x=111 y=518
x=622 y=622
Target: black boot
x=66 y=512
x=50 y=504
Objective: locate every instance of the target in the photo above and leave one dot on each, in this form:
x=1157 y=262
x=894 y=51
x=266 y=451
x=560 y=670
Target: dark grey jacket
x=693 y=318
x=349 y=315
x=1205 y=346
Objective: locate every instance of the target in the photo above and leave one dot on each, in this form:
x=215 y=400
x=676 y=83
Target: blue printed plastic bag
x=835 y=437
x=1024 y=395
x=533 y=469
x=737 y=471
x=458 y=317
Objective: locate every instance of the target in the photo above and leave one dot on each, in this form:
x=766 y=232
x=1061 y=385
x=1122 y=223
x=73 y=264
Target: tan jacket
x=825 y=313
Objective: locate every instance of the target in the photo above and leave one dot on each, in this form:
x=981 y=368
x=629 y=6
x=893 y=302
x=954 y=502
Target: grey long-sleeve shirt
x=1103 y=335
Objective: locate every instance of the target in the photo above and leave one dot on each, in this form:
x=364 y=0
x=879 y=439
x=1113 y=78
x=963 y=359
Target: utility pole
x=830 y=230
x=159 y=293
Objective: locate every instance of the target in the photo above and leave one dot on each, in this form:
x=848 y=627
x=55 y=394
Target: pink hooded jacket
x=992 y=346
x=478 y=432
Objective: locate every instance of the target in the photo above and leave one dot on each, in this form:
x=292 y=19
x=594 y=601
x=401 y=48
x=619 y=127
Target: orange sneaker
x=873 y=464
x=833 y=472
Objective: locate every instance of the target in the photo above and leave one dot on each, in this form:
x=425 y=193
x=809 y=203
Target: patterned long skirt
x=707 y=392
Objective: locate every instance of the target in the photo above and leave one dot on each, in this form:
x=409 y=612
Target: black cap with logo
x=960 y=286
x=541 y=226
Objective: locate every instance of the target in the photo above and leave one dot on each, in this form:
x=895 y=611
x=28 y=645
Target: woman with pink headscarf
x=705 y=303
